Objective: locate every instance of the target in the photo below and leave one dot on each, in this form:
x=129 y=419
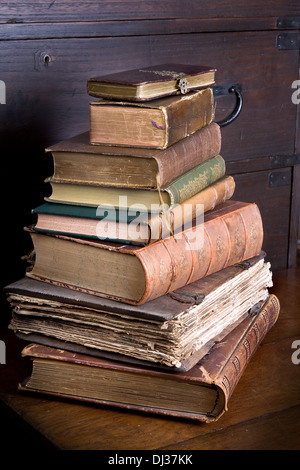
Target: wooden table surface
x=264 y=410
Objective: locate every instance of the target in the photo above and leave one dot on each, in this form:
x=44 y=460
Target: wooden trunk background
x=49 y=50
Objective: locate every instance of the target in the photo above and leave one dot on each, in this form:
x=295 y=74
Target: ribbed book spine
x=202 y=250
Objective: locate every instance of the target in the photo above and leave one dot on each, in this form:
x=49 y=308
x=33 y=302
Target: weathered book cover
x=202 y=393
x=130 y=226
x=77 y=161
x=178 y=191
x=175 y=330
x=231 y=233
x=147 y=83
x=157 y=123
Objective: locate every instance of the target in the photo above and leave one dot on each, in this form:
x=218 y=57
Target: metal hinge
x=288 y=22
x=280 y=161
x=288 y=41
x=279 y=178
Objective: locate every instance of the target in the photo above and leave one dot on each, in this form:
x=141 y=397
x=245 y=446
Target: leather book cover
x=147 y=83
x=178 y=191
x=156 y=124
x=220 y=370
x=170 y=163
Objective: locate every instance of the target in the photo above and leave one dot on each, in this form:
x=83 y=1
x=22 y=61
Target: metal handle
x=236 y=89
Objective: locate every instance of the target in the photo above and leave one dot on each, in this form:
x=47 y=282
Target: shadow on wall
x=24 y=169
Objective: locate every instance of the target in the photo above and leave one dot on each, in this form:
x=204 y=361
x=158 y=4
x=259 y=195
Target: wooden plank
x=277 y=431
x=68 y=10
x=262 y=163
x=295 y=218
x=60 y=87
x=274 y=205
x=288 y=324
x=16 y=31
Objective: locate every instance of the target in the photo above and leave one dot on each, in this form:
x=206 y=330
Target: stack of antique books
x=149 y=289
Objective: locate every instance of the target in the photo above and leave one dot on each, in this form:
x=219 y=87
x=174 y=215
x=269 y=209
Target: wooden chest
x=49 y=50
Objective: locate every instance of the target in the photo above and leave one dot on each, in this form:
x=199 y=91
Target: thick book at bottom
x=175 y=330
x=201 y=393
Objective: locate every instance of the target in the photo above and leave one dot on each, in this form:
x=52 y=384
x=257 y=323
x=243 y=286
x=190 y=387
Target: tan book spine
x=185 y=117
x=156 y=125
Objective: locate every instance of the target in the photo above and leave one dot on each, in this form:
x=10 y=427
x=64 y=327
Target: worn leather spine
x=229 y=237
x=171 y=162
x=156 y=125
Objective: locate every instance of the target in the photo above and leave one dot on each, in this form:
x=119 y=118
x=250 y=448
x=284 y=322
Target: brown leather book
x=146 y=200
x=148 y=83
x=154 y=124
x=173 y=331
x=201 y=394
x=231 y=233
x=76 y=161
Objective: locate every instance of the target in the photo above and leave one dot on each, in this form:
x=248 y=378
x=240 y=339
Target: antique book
x=231 y=233
x=77 y=161
x=131 y=226
x=202 y=393
x=174 y=331
x=155 y=124
x=178 y=191
x=148 y=83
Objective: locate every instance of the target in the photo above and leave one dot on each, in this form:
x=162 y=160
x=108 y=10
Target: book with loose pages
x=172 y=331
x=201 y=394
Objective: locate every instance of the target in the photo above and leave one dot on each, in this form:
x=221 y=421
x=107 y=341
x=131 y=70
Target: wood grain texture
x=251 y=59
x=274 y=204
x=90 y=10
x=83 y=29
